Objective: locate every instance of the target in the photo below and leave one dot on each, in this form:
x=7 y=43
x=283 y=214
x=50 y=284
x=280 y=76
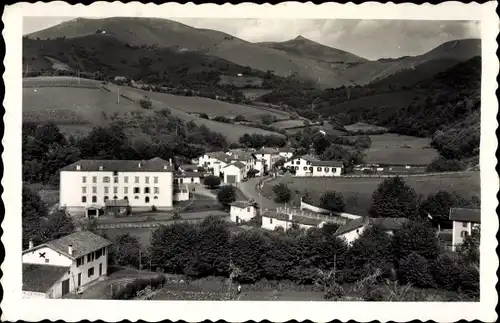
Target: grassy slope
x=90 y=103
x=358 y=192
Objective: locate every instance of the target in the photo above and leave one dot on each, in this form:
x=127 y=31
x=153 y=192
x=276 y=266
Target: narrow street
x=250 y=190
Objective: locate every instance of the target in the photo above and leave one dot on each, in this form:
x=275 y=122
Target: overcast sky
x=371 y=39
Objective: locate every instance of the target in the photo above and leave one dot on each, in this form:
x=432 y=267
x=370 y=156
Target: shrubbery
x=415 y=269
x=131 y=290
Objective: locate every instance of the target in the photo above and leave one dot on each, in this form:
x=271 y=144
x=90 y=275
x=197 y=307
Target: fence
x=304 y=205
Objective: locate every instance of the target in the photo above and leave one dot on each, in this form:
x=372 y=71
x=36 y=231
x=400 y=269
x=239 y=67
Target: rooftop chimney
x=78 y=167
x=139 y=165
x=165 y=167
x=170 y=161
x=31 y=244
x=100 y=167
x=70 y=249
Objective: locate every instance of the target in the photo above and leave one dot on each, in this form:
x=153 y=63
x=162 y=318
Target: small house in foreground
x=243 y=211
x=464 y=221
x=354 y=228
x=59 y=267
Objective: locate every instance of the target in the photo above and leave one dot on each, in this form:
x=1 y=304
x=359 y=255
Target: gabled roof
x=465 y=215
x=243 y=204
x=153 y=165
x=237 y=164
x=83 y=242
x=266 y=150
x=275 y=215
x=40 y=278
x=317 y=162
x=286 y=150
x=307 y=221
x=350 y=226
x=186 y=174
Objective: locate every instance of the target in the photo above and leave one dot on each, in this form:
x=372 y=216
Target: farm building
x=234 y=173
x=116 y=207
x=265 y=159
x=181 y=193
x=88 y=184
x=310 y=166
x=286 y=152
x=243 y=211
x=464 y=221
x=288 y=218
x=187 y=177
x=216 y=161
x=62 y=266
x=354 y=228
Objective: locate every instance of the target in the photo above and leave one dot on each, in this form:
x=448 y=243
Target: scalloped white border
x=15 y=308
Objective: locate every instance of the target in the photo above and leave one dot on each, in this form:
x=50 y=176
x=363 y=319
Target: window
x=137 y=190
x=136 y=197
x=297 y=162
x=137 y=179
x=146 y=190
x=105 y=179
x=192 y=179
x=88 y=258
x=115 y=179
x=147 y=179
x=46 y=261
x=270 y=221
x=181 y=180
x=297 y=167
x=464 y=234
x=125 y=198
x=84 y=179
x=103 y=251
x=311 y=169
x=156 y=197
x=115 y=173
x=305 y=168
x=125 y=190
x=334 y=170
x=308 y=163
x=326 y=169
x=465 y=224
x=90 y=272
x=319 y=169
x=84 y=199
x=248 y=209
x=157 y=190
x=146 y=199
x=155 y=179
x=125 y=179
x=94 y=179
x=94 y=199
x=84 y=190
x=176 y=181
x=115 y=190
x=94 y=189
x=106 y=189
x=106 y=198
x=115 y=197
x=80 y=261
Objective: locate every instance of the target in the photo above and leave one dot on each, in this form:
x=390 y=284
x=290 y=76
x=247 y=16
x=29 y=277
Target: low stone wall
x=317 y=209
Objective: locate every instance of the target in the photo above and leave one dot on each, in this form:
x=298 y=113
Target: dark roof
x=276 y=215
x=187 y=174
x=238 y=164
x=465 y=215
x=188 y=166
x=40 y=278
x=266 y=150
x=382 y=223
x=349 y=226
x=114 y=202
x=153 y=165
x=83 y=242
x=286 y=150
x=307 y=221
x=309 y=158
x=243 y=204
x=327 y=163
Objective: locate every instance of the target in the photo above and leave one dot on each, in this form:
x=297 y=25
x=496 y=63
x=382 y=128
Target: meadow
x=358 y=192
x=285 y=124
x=78 y=106
x=391 y=148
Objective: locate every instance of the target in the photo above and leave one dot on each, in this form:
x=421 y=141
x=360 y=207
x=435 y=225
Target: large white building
x=310 y=166
x=265 y=159
x=216 y=162
x=87 y=184
x=464 y=221
x=62 y=266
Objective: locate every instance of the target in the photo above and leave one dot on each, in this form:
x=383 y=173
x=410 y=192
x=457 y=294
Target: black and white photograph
x=304 y=161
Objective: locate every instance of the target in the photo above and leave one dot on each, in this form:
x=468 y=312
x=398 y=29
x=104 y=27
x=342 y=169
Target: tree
x=239 y=118
x=415 y=236
x=211 y=181
x=320 y=145
x=469 y=248
x=55 y=226
x=282 y=192
x=49 y=133
x=415 y=269
x=251 y=173
x=145 y=103
x=394 y=198
x=125 y=250
x=226 y=195
x=332 y=201
x=33 y=209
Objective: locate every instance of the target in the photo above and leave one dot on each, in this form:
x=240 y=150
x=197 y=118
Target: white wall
x=353 y=235
x=188 y=180
x=458 y=228
x=245 y=214
x=304 y=168
x=271 y=224
x=71 y=189
x=233 y=170
x=317 y=209
x=34 y=295
x=286 y=154
x=54 y=258
x=181 y=196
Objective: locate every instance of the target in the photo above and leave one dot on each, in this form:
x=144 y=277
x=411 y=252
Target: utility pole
x=118 y=95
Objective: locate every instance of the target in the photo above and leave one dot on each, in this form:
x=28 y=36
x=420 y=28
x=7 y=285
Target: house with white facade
x=243 y=211
x=286 y=152
x=216 y=161
x=59 y=267
x=234 y=173
x=86 y=185
x=185 y=177
x=352 y=230
x=265 y=158
x=310 y=166
x=464 y=221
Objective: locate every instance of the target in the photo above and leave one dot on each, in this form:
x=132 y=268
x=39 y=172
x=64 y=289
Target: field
x=392 y=148
x=285 y=124
x=361 y=127
x=64 y=101
x=358 y=192
x=241 y=81
x=253 y=94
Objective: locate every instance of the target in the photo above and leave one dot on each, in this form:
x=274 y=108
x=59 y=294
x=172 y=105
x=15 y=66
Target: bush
x=394 y=198
x=415 y=237
x=414 y=269
x=446 y=272
x=153 y=208
x=226 y=195
x=145 y=103
x=332 y=201
x=131 y=290
x=283 y=193
x=469 y=280
x=212 y=181
x=335 y=292
x=445 y=165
